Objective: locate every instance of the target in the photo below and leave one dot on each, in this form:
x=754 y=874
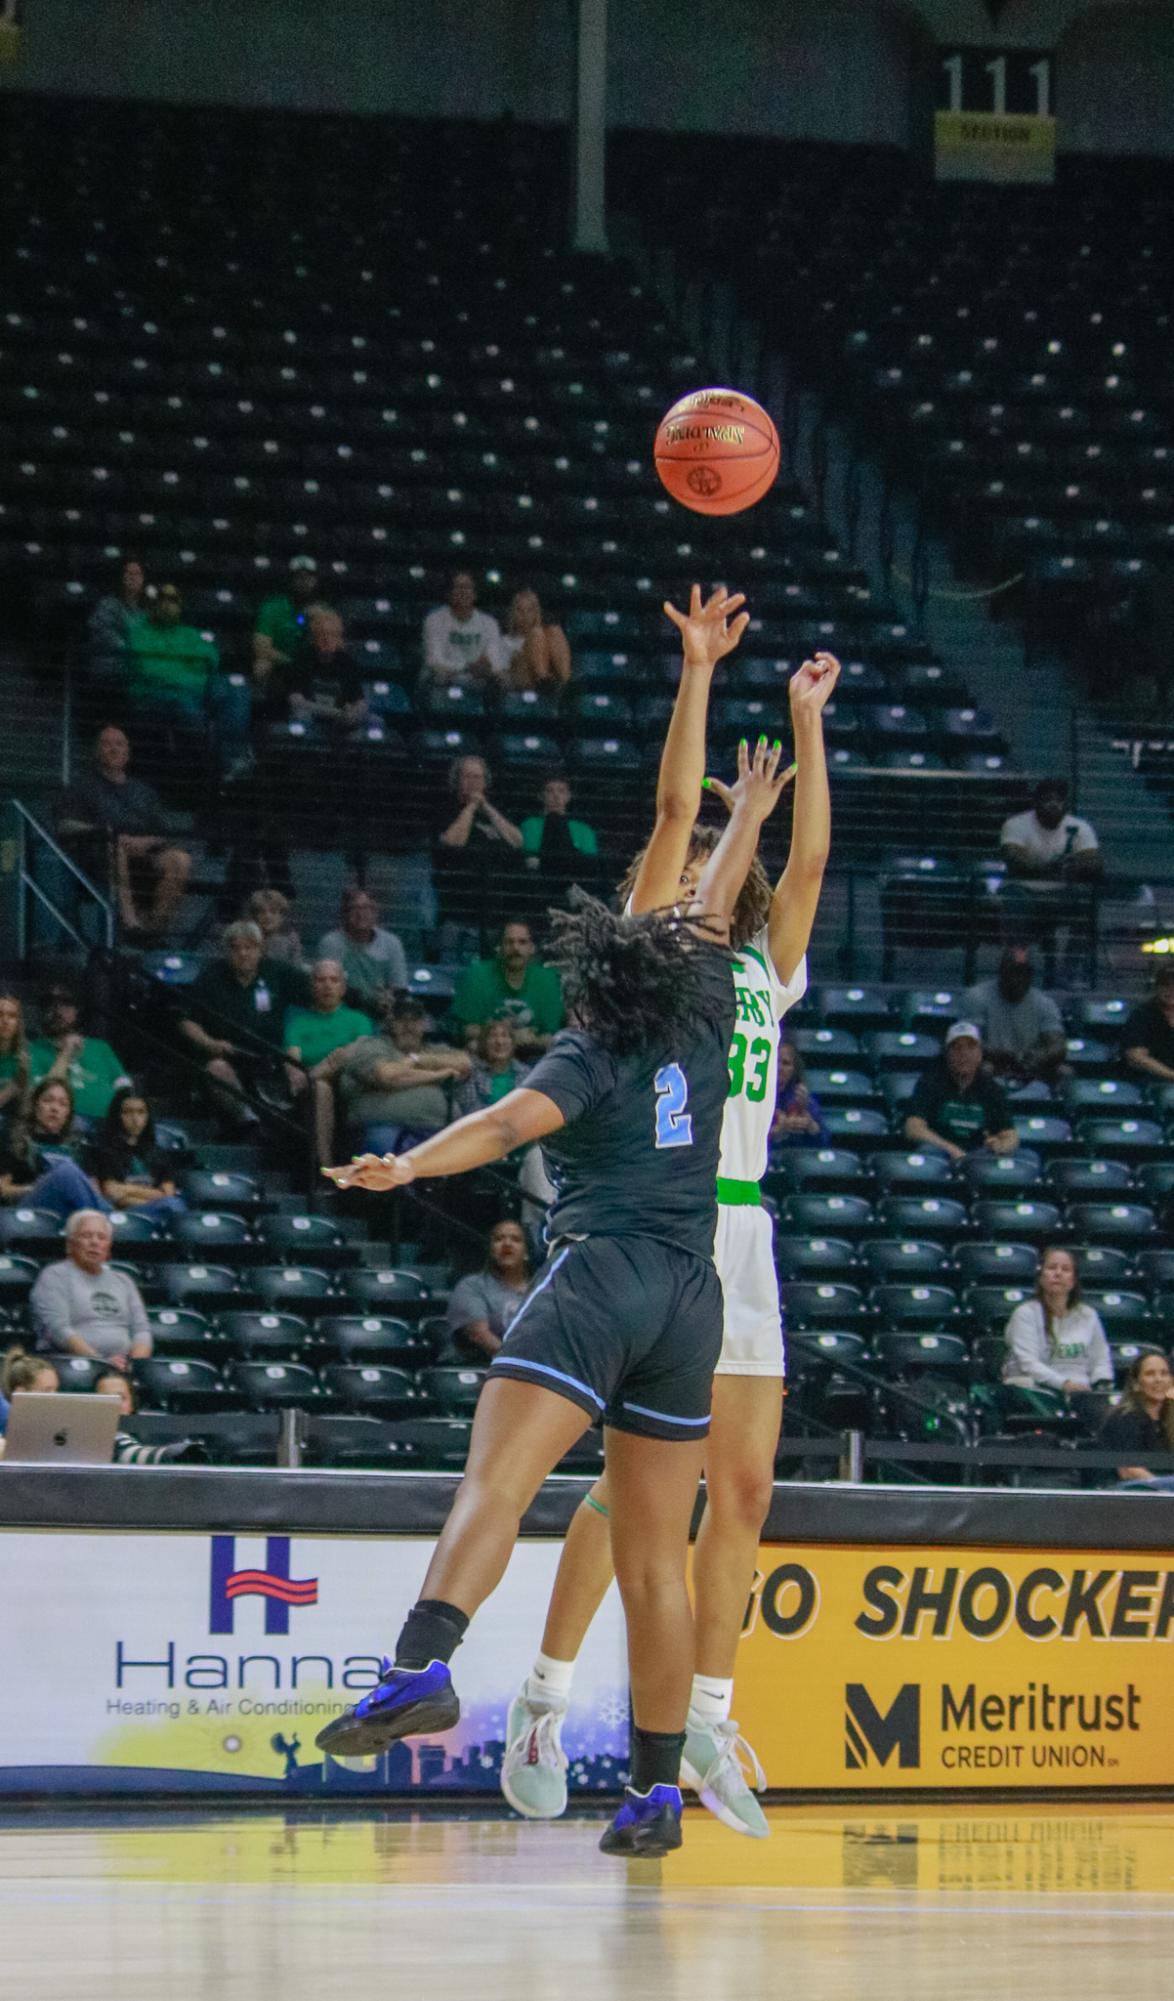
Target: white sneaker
x=534 y=1769
x=721 y=1767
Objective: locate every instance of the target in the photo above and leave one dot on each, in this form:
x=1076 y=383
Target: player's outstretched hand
x=711 y=630
x=373 y=1170
x=760 y=784
x=812 y=686
x=729 y=794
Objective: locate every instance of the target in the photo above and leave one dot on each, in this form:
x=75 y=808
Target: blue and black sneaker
x=648 y=1824
x=406 y=1702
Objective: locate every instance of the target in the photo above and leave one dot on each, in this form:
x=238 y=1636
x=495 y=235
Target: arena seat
x=371 y=1388
x=274 y=1336
x=272 y=1385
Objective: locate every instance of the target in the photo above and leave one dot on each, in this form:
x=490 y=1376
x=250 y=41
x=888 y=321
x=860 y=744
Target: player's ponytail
x=632 y=981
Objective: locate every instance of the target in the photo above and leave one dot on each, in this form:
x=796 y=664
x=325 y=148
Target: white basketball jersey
x=762 y=1001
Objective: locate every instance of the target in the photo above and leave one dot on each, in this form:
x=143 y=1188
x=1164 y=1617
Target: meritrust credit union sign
x=872 y=1667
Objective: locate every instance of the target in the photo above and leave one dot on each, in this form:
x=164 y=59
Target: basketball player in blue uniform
x=624 y=1326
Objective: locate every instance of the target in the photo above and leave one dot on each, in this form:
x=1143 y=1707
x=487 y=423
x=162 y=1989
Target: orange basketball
x=716 y=451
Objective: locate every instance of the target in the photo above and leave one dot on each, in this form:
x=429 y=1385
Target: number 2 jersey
x=638 y=1156
x=761 y=1000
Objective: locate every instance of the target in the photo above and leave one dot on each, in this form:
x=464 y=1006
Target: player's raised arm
x=759 y=787
x=516 y=1120
x=796 y=897
x=708 y=632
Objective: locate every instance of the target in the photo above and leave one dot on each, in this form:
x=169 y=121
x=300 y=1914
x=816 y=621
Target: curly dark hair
x=630 y=981
x=753 y=906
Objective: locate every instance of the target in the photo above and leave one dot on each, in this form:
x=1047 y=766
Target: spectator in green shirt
x=557 y=849
x=235 y=1018
x=314 y=1033
x=512 y=983
x=281 y=623
x=87 y=1064
x=176 y=684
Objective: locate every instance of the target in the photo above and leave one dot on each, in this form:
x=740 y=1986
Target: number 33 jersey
x=638 y=1156
x=761 y=1000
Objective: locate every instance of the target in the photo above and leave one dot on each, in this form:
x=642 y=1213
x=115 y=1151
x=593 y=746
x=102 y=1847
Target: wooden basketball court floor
x=990 y=1902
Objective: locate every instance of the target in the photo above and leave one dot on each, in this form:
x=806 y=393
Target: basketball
x=717 y=451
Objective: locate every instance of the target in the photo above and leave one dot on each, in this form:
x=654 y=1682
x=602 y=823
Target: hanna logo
x=274 y=1584
x=867 y=1730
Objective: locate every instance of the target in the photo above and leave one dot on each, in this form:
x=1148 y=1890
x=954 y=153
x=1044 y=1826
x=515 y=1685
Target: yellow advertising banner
x=994 y=146
x=901 y=1668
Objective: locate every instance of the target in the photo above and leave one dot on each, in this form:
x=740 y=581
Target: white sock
x=549 y=1680
x=709 y=1701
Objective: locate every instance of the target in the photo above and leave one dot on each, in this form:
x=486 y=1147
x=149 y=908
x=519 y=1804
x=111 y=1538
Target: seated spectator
x=1051 y=857
x=957 y=1106
x=112 y=621
x=798 y=1119
x=483 y=1304
x=1049 y=842
x=372 y=959
x=1055 y=1341
x=21 y=1372
x=125 y=837
x=1148 y=1040
x=323 y=683
x=496 y=1069
x=462 y=646
x=130 y=1168
x=558 y=849
x=316 y=1032
x=15 y=1061
x=235 y=1018
x=395 y=1088
x=281 y=622
x=176 y=682
x=269 y=910
x=532 y=653
x=476 y=851
x=1022 y=1029
x=42 y=1131
x=512 y=983
x=327 y=1024
x=81 y=1306
x=1144 y=1420
x=48 y=1164
x=127 y=1450
x=87 y=1064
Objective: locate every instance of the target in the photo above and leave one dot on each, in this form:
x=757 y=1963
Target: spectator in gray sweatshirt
x=81 y=1307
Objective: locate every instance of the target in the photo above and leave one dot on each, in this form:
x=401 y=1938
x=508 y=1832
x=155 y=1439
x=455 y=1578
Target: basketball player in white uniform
x=770 y=934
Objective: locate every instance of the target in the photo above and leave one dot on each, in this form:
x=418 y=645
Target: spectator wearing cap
x=85 y=1062
x=534 y=653
x=396 y=1087
x=112 y=621
x=322 y=685
x=82 y=1306
x=176 y=683
x=1022 y=1029
x=235 y=1017
x=558 y=849
x=1148 y=1040
x=373 y=960
x=1052 y=858
x=958 y=1106
x=513 y=984
x=462 y=645
x=120 y=820
x=281 y=621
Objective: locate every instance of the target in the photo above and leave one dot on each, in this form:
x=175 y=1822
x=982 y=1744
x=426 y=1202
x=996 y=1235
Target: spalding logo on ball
x=717 y=451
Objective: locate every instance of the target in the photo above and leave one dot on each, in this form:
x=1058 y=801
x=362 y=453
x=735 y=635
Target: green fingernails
x=778 y=745
x=761 y=741
x=706 y=783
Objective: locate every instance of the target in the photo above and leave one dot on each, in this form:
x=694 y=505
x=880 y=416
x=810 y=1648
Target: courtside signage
x=946 y=1667
x=199 y=1663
